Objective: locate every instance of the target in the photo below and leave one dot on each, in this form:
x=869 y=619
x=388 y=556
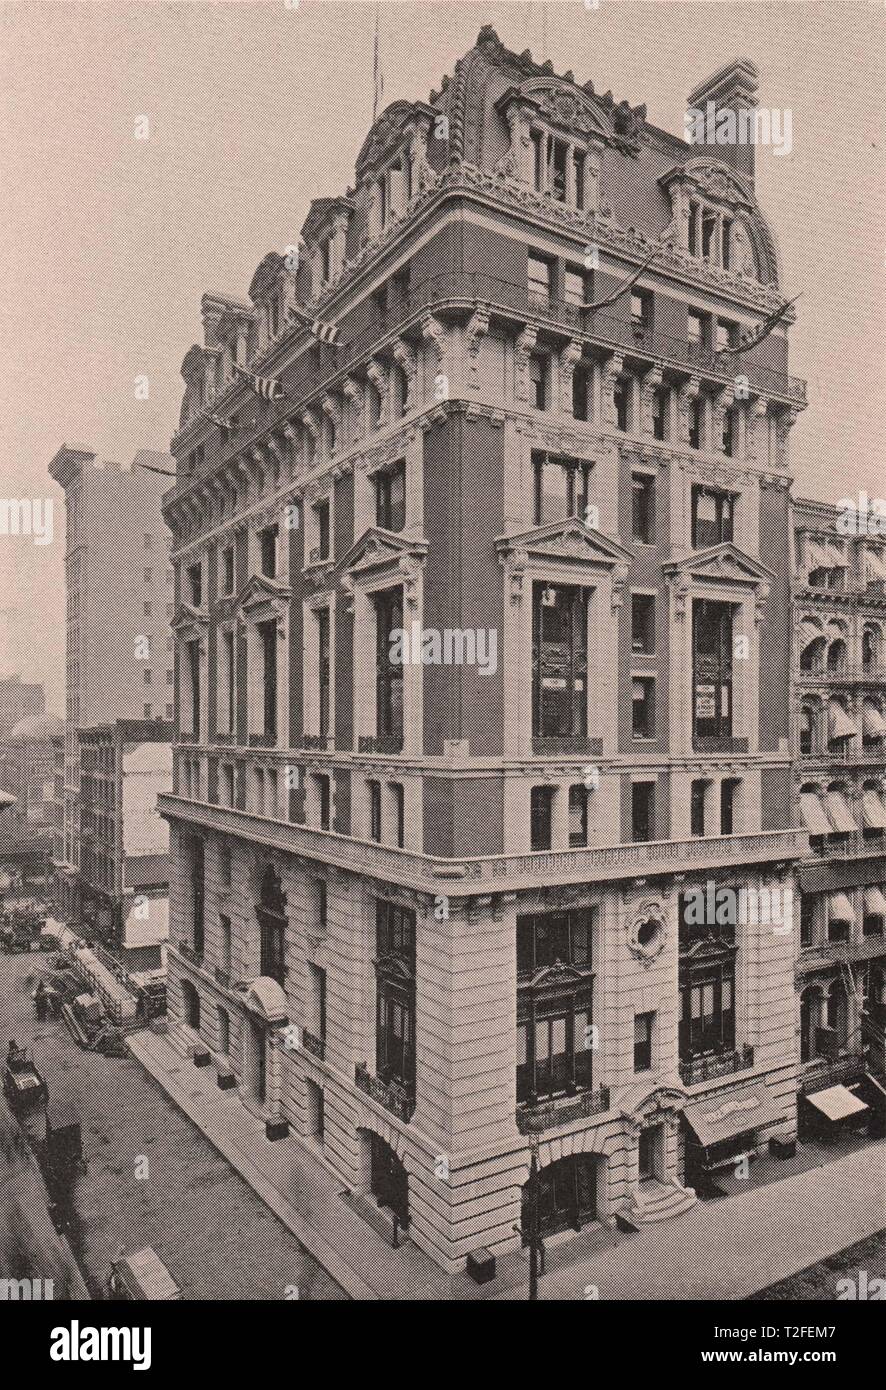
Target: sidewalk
x=727 y=1249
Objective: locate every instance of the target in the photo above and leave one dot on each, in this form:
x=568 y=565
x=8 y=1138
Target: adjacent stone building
x=482 y=824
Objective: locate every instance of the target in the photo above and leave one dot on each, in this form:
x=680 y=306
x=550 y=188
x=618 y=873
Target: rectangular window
x=543 y=938
x=538 y=168
x=696 y=329
x=726 y=335
x=578 y=167
x=659 y=412
x=389 y=671
x=807 y=918
x=539 y=279
x=229 y=676
x=374 y=789
x=643 y=508
x=574 y=287
x=707 y=1012
x=320 y=904
x=643 y=707
x=579 y=797
x=538 y=377
x=727 y=441
x=561 y=488
x=323 y=672
x=712 y=668
x=324 y=798
x=560 y=660
x=228 y=569
x=696 y=415
x=193 y=660
x=697 y=795
x=643 y=1041
x=194 y=577
x=396 y=790
x=643 y=623
x=641 y=311
x=269 y=542
x=541 y=817
x=558 y=153
x=321 y=518
x=390 y=498
x=642 y=811
x=621 y=396
x=712 y=517
x=728 y=797
x=581 y=392
x=268 y=636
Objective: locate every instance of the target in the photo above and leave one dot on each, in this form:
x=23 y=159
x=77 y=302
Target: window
x=712 y=668
x=229 y=678
x=641 y=311
x=554 y=1032
x=267 y=633
x=807 y=730
x=269 y=542
x=561 y=488
x=643 y=1041
x=642 y=811
x=323 y=671
x=560 y=660
x=324 y=799
x=558 y=154
x=390 y=498
x=712 y=516
x=621 y=398
x=643 y=707
x=374 y=789
x=538 y=168
x=389 y=672
x=198 y=894
x=396 y=790
x=539 y=279
x=728 y=800
x=224 y=950
x=538 y=377
x=574 y=287
x=228 y=569
x=541 y=817
x=317 y=1000
x=659 y=408
x=581 y=391
x=321 y=520
x=148 y=609
x=707 y=1011
x=807 y=918
x=194 y=578
x=696 y=329
x=543 y=938
x=696 y=416
x=271 y=913
x=643 y=623
x=579 y=797
x=697 y=795
x=725 y=335
x=578 y=166
x=395 y=994
x=192 y=654
x=708 y=234
x=643 y=508
x=727 y=441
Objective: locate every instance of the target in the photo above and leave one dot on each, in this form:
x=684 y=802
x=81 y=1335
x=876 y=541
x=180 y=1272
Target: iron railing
x=316 y=1046
x=395 y=1098
x=697 y=1069
x=532 y=1119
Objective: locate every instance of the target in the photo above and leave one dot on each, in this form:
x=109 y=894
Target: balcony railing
x=563 y=747
x=698 y=1069
x=187 y=950
x=496 y=873
x=397 y=1099
x=826 y=1071
x=532 y=1119
x=850 y=847
x=843 y=675
x=317 y=742
x=812 y=957
x=316 y=1046
x=377 y=743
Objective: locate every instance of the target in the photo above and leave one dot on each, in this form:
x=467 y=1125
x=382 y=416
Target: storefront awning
x=730 y=1113
x=874 y=902
x=873 y=811
x=841 y=725
x=872 y=722
x=840 y=909
x=839 y=813
x=812 y=811
x=837 y=1102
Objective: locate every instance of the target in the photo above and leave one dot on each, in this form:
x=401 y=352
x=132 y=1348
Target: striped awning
x=815 y=553
x=812 y=811
x=873 y=811
x=872 y=721
x=809 y=631
x=875 y=562
x=840 y=909
x=841 y=725
x=839 y=812
x=874 y=902
x=835 y=554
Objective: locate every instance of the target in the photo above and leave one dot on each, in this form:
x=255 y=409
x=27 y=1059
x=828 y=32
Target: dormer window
x=709 y=233
x=558 y=168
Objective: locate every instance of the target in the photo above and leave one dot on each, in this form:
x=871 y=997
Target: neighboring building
x=839 y=659
x=18 y=702
x=27 y=773
x=470 y=883
x=124 y=842
x=119 y=604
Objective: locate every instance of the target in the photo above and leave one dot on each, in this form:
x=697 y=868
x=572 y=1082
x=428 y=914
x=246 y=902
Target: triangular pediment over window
x=190 y=623
x=721 y=564
x=377 y=549
x=566 y=540
x=261 y=595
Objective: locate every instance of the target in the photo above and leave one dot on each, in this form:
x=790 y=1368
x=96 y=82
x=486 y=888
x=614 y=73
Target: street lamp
x=532 y=1237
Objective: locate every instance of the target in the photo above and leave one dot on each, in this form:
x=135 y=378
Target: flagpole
x=377 y=79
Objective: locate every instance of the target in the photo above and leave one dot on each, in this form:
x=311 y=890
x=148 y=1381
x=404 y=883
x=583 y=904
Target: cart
x=23 y=1086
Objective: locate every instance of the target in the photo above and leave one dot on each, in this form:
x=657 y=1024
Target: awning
x=837 y=1102
x=835 y=556
x=873 y=811
x=874 y=902
x=841 y=725
x=839 y=812
x=876 y=563
x=872 y=721
x=730 y=1113
x=812 y=811
x=809 y=632
x=840 y=909
x=816 y=554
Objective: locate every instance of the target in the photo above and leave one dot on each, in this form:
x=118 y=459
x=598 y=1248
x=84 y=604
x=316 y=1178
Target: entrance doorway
x=567 y=1195
x=389 y=1181
x=650 y=1153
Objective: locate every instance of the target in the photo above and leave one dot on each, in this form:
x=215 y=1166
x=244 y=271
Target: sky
x=108 y=241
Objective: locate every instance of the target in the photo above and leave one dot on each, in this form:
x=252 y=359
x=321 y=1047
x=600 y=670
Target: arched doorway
x=389 y=1181
x=567 y=1195
x=190 y=1006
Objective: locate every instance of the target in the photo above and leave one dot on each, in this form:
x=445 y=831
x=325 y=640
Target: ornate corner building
x=482 y=626
x=839 y=660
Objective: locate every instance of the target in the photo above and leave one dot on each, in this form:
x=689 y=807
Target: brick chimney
x=731 y=89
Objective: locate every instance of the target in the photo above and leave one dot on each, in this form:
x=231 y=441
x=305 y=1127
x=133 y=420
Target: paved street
x=217 y=1237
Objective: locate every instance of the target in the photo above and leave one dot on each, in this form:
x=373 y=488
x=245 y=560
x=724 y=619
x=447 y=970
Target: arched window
x=837 y=655
x=812 y=655
x=870 y=647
